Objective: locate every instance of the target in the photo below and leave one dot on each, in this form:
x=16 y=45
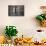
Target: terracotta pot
x=43 y=23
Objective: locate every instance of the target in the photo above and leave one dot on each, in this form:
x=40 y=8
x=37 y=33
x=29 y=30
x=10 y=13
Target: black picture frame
x=15 y=10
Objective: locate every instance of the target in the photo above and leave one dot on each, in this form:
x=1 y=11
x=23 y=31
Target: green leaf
x=45 y=16
x=40 y=18
x=10 y=31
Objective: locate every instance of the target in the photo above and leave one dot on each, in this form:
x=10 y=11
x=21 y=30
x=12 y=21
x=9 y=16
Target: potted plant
x=42 y=17
x=10 y=31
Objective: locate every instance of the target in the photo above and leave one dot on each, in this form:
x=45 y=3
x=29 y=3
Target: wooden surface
x=30 y=45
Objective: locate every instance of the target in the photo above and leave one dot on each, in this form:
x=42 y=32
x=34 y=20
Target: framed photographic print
x=15 y=10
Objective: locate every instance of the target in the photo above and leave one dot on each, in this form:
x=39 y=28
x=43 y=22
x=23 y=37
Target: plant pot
x=9 y=41
x=13 y=38
x=43 y=23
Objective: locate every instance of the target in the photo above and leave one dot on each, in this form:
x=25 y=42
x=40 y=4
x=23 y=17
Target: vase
x=13 y=38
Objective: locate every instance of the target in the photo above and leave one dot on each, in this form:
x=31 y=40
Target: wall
x=27 y=24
